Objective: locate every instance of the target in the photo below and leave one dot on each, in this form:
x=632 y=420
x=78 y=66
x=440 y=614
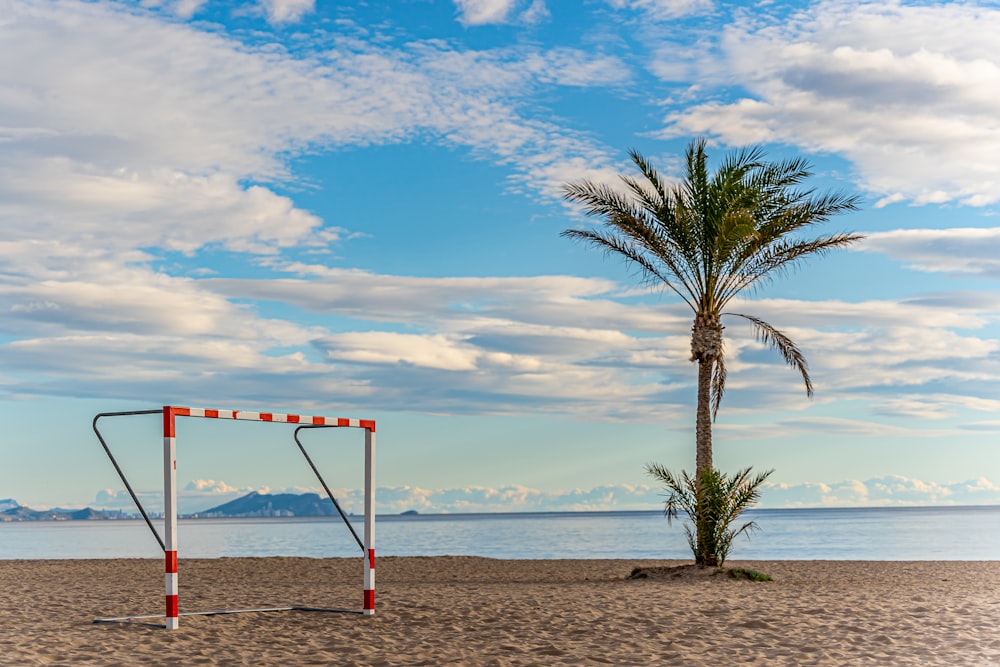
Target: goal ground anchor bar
x=219 y=612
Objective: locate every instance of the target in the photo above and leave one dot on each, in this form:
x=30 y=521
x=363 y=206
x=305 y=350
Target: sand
x=475 y=611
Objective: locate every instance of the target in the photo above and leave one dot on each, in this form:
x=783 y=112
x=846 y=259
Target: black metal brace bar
x=323 y=482
x=121 y=474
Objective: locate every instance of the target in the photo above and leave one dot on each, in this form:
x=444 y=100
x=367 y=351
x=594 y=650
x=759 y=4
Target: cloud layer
x=109 y=173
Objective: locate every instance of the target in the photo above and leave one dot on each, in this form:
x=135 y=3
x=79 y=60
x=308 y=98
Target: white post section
x=170 y=515
x=369 y=606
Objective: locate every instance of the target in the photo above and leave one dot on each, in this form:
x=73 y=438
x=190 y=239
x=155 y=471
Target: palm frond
x=784 y=345
x=600 y=200
x=650 y=199
x=679 y=490
x=733 y=173
x=718 y=384
x=667 y=204
x=672 y=278
x=765 y=264
x=656 y=241
x=649 y=173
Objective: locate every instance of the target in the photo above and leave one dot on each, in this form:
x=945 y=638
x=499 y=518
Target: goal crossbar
x=169 y=540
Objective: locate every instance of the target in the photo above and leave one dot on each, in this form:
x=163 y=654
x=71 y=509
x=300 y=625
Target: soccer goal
x=168 y=542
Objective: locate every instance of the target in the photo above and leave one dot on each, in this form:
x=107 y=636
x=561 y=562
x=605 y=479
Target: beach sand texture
x=476 y=611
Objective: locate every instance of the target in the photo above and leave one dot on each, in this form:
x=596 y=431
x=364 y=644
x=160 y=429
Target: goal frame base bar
x=218 y=612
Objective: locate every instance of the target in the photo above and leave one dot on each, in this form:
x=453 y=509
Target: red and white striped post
x=369 y=602
x=170 y=515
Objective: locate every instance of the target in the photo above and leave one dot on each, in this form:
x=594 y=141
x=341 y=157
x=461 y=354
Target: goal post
x=169 y=540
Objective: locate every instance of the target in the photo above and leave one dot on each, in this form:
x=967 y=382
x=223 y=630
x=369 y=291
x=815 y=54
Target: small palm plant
x=712 y=502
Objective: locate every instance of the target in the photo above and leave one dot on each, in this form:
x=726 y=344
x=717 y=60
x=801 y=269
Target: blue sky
x=354 y=210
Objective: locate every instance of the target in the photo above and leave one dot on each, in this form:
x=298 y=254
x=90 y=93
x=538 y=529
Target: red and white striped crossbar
x=277 y=417
x=171 y=412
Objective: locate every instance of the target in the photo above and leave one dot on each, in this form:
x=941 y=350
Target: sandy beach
x=476 y=611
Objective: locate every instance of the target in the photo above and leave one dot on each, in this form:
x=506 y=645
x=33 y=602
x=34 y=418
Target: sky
x=353 y=210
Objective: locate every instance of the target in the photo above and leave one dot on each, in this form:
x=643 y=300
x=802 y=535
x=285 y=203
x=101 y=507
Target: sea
x=898 y=533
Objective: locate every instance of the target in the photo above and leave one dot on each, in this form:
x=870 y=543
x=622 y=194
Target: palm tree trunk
x=703 y=419
x=703 y=460
x=706 y=347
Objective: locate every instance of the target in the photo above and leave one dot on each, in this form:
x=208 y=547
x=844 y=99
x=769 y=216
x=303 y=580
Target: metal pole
x=322 y=481
x=118 y=469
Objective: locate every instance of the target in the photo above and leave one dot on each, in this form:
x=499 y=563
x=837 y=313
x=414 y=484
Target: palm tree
x=712 y=502
x=712 y=237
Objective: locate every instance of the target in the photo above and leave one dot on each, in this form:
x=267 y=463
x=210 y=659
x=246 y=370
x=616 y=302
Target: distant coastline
x=22 y=513
x=286 y=505
x=252 y=505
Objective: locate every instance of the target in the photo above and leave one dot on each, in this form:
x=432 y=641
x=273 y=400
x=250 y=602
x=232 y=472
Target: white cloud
x=910 y=94
x=209 y=486
x=960 y=250
x=880 y=350
x=381 y=347
x=663 y=10
x=933 y=406
x=493 y=12
x=187 y=8
x=553 y=300
x=287 y=11
x=875 y=313
x=516 y=498
x=78 y=293
x=574 y=67
x=174 y=211
x=888 y=491
x=484 y=12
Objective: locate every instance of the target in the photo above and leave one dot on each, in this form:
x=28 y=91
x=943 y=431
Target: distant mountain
x=14 y=512
x=278 y=504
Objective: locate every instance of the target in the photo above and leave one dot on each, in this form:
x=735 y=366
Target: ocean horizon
x=850 y=533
